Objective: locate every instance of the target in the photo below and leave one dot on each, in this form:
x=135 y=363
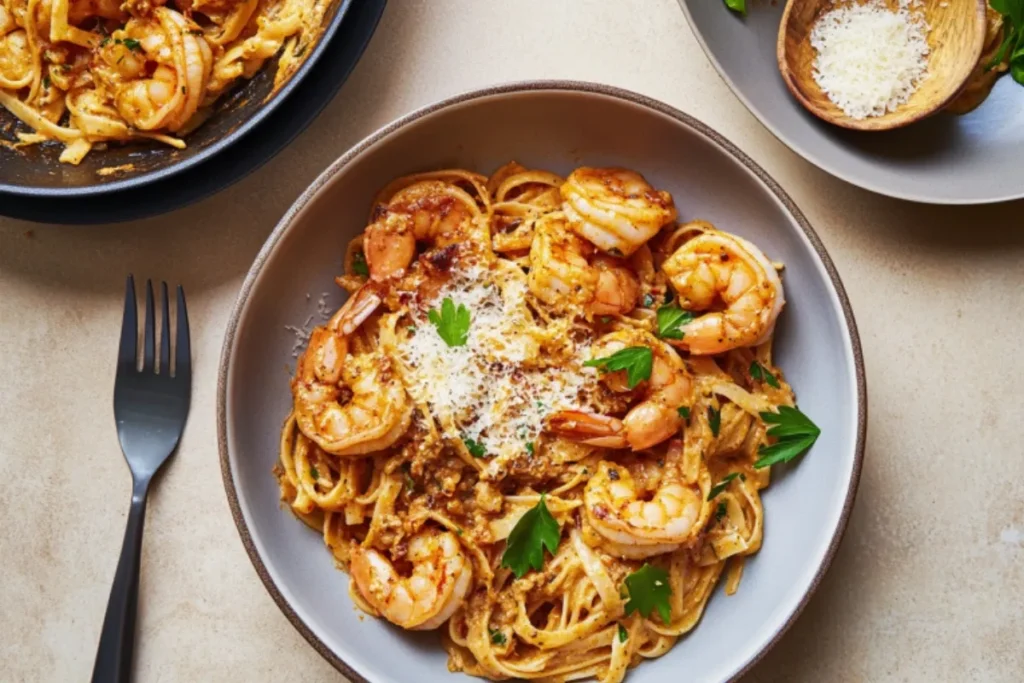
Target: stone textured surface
x=928 y=584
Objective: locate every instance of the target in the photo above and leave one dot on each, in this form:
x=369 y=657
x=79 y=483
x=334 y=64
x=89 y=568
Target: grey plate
x=947 y=159
x=554 y=125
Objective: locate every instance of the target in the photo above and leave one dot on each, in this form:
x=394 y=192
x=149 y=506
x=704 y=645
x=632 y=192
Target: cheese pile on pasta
x=542 y=419
x=86 y=72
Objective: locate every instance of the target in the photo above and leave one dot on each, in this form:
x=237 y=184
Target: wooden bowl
x=956 y=40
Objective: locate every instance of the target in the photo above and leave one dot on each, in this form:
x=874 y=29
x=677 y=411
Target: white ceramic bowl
x=557 y=126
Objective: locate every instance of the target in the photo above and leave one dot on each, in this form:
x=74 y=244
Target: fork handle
x=117 y=640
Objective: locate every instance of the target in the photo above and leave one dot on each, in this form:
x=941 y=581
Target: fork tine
x=149 y=351
x=183 y=352
x=165 y=335
x=126 y=352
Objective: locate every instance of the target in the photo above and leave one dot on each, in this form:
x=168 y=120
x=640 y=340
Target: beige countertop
x=928 y=584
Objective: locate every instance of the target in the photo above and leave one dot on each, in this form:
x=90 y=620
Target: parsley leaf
x=720 y=511
x=359 y=265
x=714 y=419
x=313 y=473
x=635 y=360
x=475 y=448
x=497 y=637
x=649 y=591
x=410 y=483
x=737 y=5
x=758 y=372
x=131 y=44
x=534 y=531
x=684 y=412
x=623 y=634
x=670 y=319
x=795 y=433
x=529 y=447
x=451 y=323
x=722 y=485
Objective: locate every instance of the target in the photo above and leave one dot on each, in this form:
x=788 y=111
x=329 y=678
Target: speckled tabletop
x=928 y=584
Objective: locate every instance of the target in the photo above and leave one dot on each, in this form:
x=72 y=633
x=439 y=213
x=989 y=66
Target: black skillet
x=213 y=160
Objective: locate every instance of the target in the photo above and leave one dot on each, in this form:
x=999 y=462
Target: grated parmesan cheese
x=870 y=59
x=496 y=389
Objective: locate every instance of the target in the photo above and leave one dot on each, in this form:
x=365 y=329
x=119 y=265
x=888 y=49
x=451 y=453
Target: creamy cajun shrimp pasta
x=87 y=72
x=541 y=422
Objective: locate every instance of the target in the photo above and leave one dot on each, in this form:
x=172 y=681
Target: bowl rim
x=807 y=153
x=231 y=138
x=516 y=87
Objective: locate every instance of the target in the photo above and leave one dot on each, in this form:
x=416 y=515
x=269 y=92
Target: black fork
x=150 y=407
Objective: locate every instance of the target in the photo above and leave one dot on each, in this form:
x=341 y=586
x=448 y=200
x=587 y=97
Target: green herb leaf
x=452 y=323
x=722 y=485
x=359 y=266
x=475 y=448
x=131 y=44
x=758 y=372
x=535 y=531
x=623 y=634
x=670 y=319
x=635 y=360
x=313 y=473
x=529 y=448
x=46 y=81
x=795 y=433
x=737 y=5
x=720 y=511
x=410 y=483
x=649 y=591
x=684 y=412
x=458 y=531
x=714 y=419
x=410 y=329
x=497 y=637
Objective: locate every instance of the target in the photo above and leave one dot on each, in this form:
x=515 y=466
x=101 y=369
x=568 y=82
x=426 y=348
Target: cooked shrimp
x=615 y=209
x=80 y=10
x=169 y=96
x=16 y=59
x=717 y=270
x=441 y=577
x=649 y=422
x=429 y=211
x=377 y=412
x=642 y=523
x=565 y=269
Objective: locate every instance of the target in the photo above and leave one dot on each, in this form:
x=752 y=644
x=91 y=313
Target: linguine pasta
x=87 y=72
x=540 y=423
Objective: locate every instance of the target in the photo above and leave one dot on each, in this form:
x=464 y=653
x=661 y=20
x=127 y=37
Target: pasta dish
x=542 y=419
x=87 y=72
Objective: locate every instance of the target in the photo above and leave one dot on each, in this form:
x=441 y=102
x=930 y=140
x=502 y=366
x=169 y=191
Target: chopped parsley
x=452 y=323
x=623 y=634
x=635 y=360
x=529 y=448
x=535 y=531
x=684 y=412
x=131 y=44
x=497 y=637
x=649 y=592
x=670 y=319
x=794 y=431
x=739 y=6
x=313 y=473
x=359 y=265
x=758 y=372
x=722 y=485
x=714 y=420
x=475 y=448
x=720 y=511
